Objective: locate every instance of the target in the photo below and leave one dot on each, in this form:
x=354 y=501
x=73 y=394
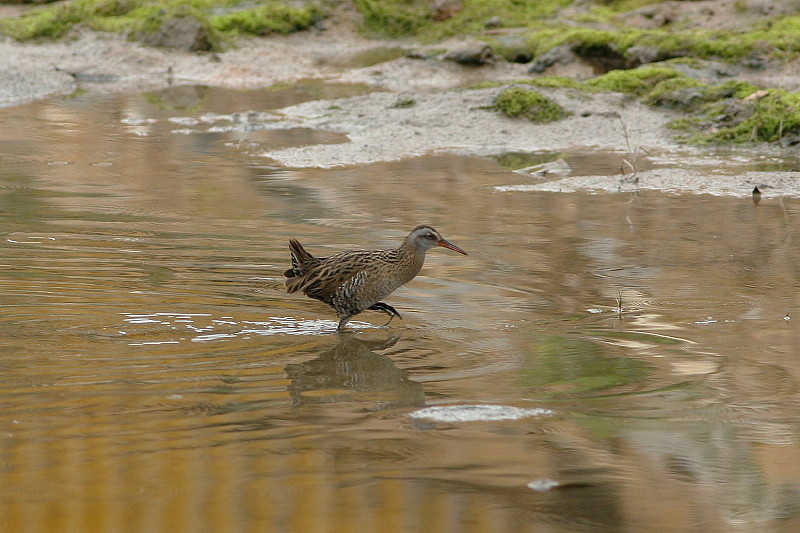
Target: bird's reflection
x=351 y=370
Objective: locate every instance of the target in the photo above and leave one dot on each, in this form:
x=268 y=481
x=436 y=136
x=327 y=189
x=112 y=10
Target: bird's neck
x=407 y=249
x=412 y=255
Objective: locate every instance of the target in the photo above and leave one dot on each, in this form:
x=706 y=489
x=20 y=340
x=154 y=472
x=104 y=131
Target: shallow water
x=606 y=362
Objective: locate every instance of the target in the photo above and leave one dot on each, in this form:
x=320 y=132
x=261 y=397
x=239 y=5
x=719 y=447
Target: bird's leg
x=342 y=323
x=386 y=308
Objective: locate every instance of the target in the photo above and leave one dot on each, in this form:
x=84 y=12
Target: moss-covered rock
x=621 y=47
x=396 y=18
x=557 y=82
x=273 y=17
x=521 y=102
x=676 y=93
x=637 y=81
x=764 y=116
x=142 y=18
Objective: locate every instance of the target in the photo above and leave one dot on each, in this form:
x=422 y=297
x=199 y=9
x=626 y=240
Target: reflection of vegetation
x=568 y=366
x=319 y=90
x=649 y=338
x=375 y=56
x=218 y=17
x=22 y=202
x=521 y=102
x=515 y=160
x=185 y=98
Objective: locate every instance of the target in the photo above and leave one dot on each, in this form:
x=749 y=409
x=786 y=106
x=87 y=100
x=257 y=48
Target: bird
x=355 y=281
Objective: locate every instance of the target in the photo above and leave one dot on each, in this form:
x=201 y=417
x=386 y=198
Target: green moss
x=142 y=16
x=487 y=84
x=557 y=82
x=546 y=82
x=521 y=102
x=395 y=18
x=637 y=81
x=392 y=18
x=766 y=119
x=265 y=19
x=720 y=113
x=604 y=12
x=735 y=88
x=775 y=38
x=677 y=92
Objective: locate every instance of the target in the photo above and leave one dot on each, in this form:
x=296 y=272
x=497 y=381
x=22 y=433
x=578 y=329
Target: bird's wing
x=322 y=281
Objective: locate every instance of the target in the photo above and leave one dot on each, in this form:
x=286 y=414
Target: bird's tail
x=302 y=261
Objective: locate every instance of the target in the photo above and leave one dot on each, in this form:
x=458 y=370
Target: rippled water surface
x=597 y=363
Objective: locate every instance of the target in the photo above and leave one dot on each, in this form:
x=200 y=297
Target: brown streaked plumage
x=352 y=282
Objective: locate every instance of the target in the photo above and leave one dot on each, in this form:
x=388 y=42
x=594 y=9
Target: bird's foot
x=386 y=308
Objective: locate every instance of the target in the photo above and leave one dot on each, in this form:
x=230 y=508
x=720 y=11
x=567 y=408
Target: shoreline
x=436 y=116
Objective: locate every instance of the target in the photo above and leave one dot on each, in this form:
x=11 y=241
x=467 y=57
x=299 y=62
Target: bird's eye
x=430 y=236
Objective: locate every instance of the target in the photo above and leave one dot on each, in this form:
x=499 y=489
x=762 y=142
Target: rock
x=639 y=55
x=514 y=48
x=445 y=9
x=684 y=98
x=494 y=22
x=561 y=54
x=734 y=111
x=180 y=33
x=84 y=75
x=471 y=53
x=790 y=140
x=754 y=62
x=602 y=56
x=758 y=95
x=707 y=71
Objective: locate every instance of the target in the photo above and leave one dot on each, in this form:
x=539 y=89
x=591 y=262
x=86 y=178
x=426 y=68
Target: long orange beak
x=445 y=244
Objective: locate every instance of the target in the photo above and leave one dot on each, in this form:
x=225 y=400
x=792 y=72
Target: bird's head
x=425 y=237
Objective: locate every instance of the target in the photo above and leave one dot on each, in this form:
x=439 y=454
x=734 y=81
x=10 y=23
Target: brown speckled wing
x=322 y=281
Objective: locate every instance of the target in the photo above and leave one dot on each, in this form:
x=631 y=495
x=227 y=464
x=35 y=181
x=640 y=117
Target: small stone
x=754 y=62
x=561 y=54
x=403 y=102
x=472 y=52
x=515 y=48
x=494 y=22
x=758 y=95
x=181 y=33
x=445 y=9
x=639 y=55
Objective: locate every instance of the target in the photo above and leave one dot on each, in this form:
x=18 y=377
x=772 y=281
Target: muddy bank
x=463 y=122
x=432 y=116
x=419 y=107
